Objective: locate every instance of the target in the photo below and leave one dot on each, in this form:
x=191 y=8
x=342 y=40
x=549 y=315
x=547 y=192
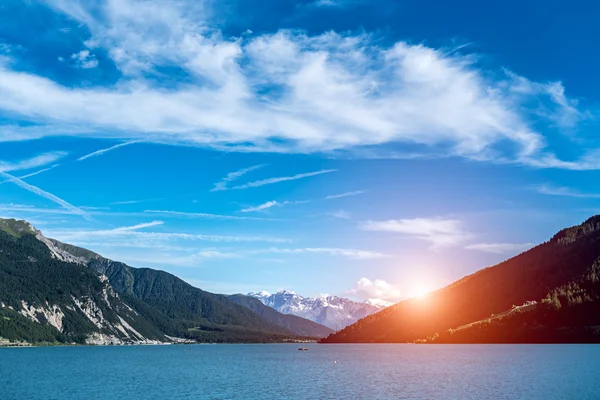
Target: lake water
x=249 y=372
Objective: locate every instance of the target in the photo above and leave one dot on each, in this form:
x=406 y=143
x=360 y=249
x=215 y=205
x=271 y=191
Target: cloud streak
x=261 y=207
x=44 y=194
x=139 y=226
x=271 y=181
x=347 y=194
x=103 y=151
x=201 y=215
x=232 y=176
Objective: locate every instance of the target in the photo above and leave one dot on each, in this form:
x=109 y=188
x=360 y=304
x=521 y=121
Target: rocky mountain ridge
x=332 y=311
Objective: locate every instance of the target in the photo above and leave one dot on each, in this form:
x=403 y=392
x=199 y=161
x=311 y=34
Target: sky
x=367 y=149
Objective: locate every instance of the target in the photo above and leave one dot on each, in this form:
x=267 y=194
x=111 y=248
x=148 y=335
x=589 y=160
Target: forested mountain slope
x=55 y=292
x=43 y=299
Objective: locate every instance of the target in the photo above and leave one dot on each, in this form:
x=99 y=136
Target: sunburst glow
x=420 y=292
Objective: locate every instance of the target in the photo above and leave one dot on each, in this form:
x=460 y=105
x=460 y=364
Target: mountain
x=44 y=298
x=331 y=311
x=550 y=293
x=55 y=292
x=295 y=324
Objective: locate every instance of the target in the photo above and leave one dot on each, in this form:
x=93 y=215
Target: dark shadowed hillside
x=560 y=268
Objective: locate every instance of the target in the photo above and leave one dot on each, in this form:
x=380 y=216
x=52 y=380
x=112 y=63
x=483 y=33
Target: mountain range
x=58 y=293
x=548 y=294
x=52 y=292
x=332 y=311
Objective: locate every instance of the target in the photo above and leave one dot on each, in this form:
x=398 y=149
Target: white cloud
x=30 y=163
x=439 y=232
x=284 y=92
x=232 y=176
x=102 y=151
x=271 y=181
x=564 y=191
x=44 y=194
x=347 y=194
x=84 y=59
x=377 y=289
x=500 y=248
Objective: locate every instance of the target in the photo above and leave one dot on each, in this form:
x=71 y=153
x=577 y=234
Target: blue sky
x=365 y=149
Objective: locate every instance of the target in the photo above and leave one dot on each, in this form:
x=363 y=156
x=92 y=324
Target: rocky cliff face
x=48 y=294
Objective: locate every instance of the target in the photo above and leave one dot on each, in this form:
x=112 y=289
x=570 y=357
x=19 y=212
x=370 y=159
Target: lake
x=280 y=371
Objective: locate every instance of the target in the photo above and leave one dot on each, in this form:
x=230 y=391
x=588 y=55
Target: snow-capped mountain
x=332 y=311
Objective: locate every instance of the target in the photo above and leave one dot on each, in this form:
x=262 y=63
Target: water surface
x=249 y=372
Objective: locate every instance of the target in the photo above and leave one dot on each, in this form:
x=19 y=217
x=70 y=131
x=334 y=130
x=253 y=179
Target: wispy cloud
x=102 y=151
x=34 y=173
x=564 y=191
x=44 y=194
x=34 y=162
x=139 y=226
x=439 y=232
x=271 y=181
x=347 y=194
x=21 y=208
x=148 y=239
x=232 y=176
x=127 y=202
x=341 y=214
x=262 y=207
x=270 y=204
x=500 y=248
x=200 y=215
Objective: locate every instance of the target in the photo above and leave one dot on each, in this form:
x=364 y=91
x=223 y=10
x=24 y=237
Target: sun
x=420 y=292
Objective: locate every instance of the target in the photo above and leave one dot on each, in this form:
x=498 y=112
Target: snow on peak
x=332 y=311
